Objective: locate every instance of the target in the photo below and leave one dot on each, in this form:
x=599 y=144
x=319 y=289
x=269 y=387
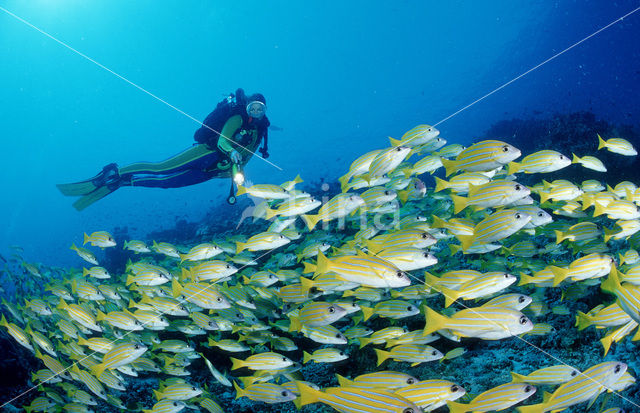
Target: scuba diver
x=225 y=142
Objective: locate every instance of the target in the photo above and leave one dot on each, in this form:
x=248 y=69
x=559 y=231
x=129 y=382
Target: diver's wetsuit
x=200 y=162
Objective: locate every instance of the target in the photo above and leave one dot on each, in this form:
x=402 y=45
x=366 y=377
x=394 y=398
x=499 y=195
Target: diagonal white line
x=133 y=84
x=618 y=20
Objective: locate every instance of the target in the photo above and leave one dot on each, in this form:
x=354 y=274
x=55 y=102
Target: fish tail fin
x=239 y=391
x=450 y=296
x=403 y=196
x=606 y=342
x=85 y=239
x=306 y=357
x=532 y=408
x=241 y=190
x=323 y=264
x=130 y=280
x=518 y=378
x=382 y=355
x=560 y=236
x=364 y=341
x=395 y=142
x=575 y=159
x=559 y=274
x=454 y=248
x=308 y=267
x=459 y=203
x=98 y=369
x=295 y=324
x=344 y=180
x=465 y=241
x=582 y=320
x=599 y=209
x=306 y=284
x=343 y=381
x=544 y=196
x=434 y=321
x=455 y=407
x=612 y=282
x=236 y=363
x=176 y=288
x=310 y=220
x=441 y=184
x=525 y=279
x=449 y=166
x=601 y=142
x=608 y=233
x=513 y=167
x=240 y=246
x=308 y=395
x=367 y=312
x=158 y=394
x=270 y=212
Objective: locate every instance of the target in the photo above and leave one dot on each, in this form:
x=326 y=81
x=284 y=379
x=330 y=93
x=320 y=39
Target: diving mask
x=256 y=109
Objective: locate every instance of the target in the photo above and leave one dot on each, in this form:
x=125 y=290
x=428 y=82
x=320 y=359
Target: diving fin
x=77 y=189
x=108 y=175
x=92 y=197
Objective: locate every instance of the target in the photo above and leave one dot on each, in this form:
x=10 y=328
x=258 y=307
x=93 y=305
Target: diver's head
x=257 y=106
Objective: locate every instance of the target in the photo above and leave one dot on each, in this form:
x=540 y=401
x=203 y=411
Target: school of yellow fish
x=250 y=298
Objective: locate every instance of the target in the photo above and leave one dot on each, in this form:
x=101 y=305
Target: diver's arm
x=229 y=129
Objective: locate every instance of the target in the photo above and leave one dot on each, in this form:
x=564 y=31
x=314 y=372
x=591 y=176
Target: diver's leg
x=108 y=174
x=183 y=160
x=175 y=180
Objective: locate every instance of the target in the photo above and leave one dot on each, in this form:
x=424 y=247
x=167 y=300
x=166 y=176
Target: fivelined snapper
x=590 y=162
x=482 y=156
x=364 y=269
x=358 y=167
x=552 y=375
x=431 y=394
x=120 y=355
x=487 y=323
x=460 y=183
x=415 y=136
x=17 y=333
x=498 y=398
x=293 y=208
x=100 y=239
x=315 y=314
x=490 y=195
x=450 y=151
x=395 y=309
x=617 y=145
x=429 y=163
x=408 y=258
x=200 y=294
x=165 y=248
x=581 y=231
x=628 y=294
x=262 y=361
x=85 y=254
x=386 y=161
x=410 y=353
x=177 y=391
x=610 y=316
x=623 y=229
x=356 y=400
x=385 y=379
x=136 y=246
x=620 y=209
x=166 y=406
x=583 y=268
x=265 y=392
x=539 y=162
x=514 y=301
x=559 y=190
x=585 y=386
x=262 y=241
x=264 y=191
x=201 y=252
x=324 y=355
x=495 y=227
x=481 y=286
x=339 y=206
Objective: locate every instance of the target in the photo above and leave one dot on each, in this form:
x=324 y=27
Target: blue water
x=339 y=77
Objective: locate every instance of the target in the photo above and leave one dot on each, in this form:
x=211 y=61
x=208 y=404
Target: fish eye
x=428 y=129
x=505 y=148
x=219 y=299
x=137 y=347
x=523 y=320
x=424 y=236
x=228 y=267
x=521 y=299
x=175 y=404
x=518 y=215
x=518 y=187
x=409 y=308
x=399 y=274
x=561 y=156
x=527 y=389
x=411 y=380
x=387 y=193
x=454 y=388
x=341 y=353
x=434 y=352
x=573 y=373
x=193 y=389
x=331 y=310
x=408 y=410
x=540 y=214
x=398 y=149
x=617 y=369
x=284 y=359
x=338 y=335
x=284 y=393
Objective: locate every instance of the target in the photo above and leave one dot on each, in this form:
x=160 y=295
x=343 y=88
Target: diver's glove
x=264 y=153
x=235 y=156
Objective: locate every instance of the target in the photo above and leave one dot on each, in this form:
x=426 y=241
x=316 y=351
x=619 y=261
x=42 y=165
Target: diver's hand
x=235 y=156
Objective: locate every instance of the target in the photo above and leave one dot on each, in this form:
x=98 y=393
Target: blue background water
x=339 y=78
